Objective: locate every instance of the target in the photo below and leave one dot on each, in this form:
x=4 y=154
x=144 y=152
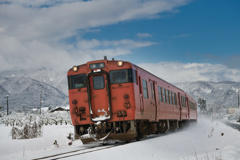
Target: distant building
x=59 y=109
x=231 y=111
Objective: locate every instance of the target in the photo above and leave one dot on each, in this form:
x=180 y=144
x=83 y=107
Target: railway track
x=233 y=125
x=79 y=152
x=94 y=148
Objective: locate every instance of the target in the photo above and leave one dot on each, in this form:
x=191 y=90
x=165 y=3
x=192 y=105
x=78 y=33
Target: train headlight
x=120 y=63
x=75 y=68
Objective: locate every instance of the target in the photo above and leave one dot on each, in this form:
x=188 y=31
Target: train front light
x=75 y=68
x=120 y=63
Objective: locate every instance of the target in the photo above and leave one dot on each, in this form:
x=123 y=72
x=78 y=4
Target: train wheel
x=138 y=138
x=164 y=126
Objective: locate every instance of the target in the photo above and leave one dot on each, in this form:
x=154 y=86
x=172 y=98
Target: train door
x=141 y=95
x=180 y=105
x=153 y=101
x=99 y=96
x=188 y=111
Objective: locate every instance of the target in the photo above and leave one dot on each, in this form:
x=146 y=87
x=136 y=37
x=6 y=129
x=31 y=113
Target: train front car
x=101 y=98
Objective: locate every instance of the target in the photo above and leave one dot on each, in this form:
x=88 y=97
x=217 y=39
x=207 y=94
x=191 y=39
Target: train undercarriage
x=125 y=130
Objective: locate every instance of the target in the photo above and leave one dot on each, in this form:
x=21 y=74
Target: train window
x=170 y=97
x=183 y=99
x=122 y=76
x=174 y=99
x=98 y=82
x=192 y=105
x=134 y=76
x=77 y=81
x=160 y=93
x=145 y=89
x=97 y=65
x=167 y=95
x=164 y=95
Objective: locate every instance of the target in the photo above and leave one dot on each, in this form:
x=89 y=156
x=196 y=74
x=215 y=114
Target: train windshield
x=77 y=81
x=121 y=76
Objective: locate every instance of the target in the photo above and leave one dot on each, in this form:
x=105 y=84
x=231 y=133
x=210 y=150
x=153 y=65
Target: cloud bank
x=181 y=72
x=33 y=33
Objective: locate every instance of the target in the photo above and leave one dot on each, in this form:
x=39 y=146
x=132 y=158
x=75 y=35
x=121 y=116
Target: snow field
x=207 y=140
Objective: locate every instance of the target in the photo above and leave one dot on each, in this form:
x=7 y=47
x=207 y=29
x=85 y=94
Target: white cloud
x=125 y=43
x=63 y=19
x=144 y=35
x=181 y=72
x=33 y=32
x=181 y=36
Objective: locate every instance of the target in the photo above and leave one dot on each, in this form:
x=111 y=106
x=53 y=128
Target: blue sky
x=191 y=39
x=202 y=31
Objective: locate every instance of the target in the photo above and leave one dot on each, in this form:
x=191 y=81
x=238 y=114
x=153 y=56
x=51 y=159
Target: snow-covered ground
x=207 y=140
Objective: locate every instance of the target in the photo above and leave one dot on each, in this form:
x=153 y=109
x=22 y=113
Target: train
x=118 y=100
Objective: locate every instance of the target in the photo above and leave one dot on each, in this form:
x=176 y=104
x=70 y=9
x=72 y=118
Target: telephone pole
x=40 y=101
x=238 y=99
x=7 y=104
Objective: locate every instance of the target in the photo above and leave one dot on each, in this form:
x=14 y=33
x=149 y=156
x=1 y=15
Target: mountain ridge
x=24 y=88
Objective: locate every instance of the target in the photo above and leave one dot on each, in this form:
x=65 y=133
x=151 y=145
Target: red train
x=118 y=100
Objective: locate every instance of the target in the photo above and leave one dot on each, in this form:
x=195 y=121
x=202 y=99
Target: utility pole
x=7 y=104
x=40 y=101
x=238 y=99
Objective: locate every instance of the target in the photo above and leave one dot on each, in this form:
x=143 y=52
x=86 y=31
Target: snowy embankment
x=207 y=140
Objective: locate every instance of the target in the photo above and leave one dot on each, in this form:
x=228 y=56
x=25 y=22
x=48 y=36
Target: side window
x=164 y=95
x=145 y=89
x=192 y=106
x=170 y=97
x=160 y=93
x=174 y=99
x=134 y=76
x=183 y=99
x=167 y=95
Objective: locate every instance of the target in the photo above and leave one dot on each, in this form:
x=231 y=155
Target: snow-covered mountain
x=24 y=88
x=224 y=94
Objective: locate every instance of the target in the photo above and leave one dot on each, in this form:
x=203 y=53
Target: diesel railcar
x=111 y=99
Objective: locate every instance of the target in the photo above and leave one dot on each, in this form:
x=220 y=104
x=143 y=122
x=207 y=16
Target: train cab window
x=77 y=81
x=145 y=89
x=160 y=93
x=122 y=76
x=135 y=76
x=98 y=82
x=164 y=95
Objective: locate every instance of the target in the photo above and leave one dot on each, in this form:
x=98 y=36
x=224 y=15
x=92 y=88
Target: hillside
x=224 y=94
x=24 y=88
